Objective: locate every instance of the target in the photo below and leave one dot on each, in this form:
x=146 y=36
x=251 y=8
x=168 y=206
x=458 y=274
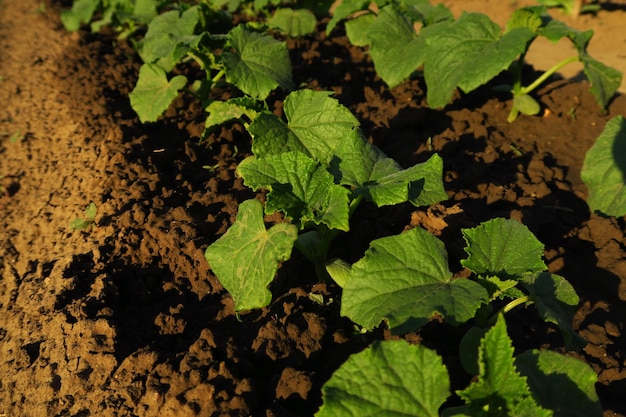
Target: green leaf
x=380 y=179
x=294 y=22
x=500 y=390
x=339 y=271
x=561 y=383
x=394 y=46
x=145 y=10
x=427 y=14
x=316 y=125
x=154 y=93
x=526 y=104
x=245 y=259
x=556 y=301
x=468 y=54
x=497 y=287
x=82 y=11
x=356 y=29
x=165 y=34
x=80 y=224
x=221 y=112
x=528 y=17
x=257 y=64
x=604 y=170
x=405 y=280
x=502 y=248
x=469 y=349
x=91 y=211
x=604 y=80
x=345 y=9
x=390 y=378
x=300 y=187
x=555 y=30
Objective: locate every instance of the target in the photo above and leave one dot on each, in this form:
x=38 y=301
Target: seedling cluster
x=316 y=167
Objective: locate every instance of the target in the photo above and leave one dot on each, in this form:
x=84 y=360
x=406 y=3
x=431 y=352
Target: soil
x=128 y=320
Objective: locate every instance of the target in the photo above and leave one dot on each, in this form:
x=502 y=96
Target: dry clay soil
x=128 y=320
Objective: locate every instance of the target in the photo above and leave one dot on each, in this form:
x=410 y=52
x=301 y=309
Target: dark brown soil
x=128 y=320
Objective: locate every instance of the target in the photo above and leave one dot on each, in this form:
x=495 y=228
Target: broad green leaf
x=316 y=125
x=502 y=248
x=221 y=112
x=165 y=33
x=427 y=14
x=81 y=12
x=145 y=10
x=272 y=136
x=339 y=271
x=604 y=170
x=153 y=93
x=345 y=9
x=468 y=54
x=390 y=378
x=500 y=390
x=356 y=29
x=380 y=179
x=294 y=22
x=469 y=348
x=529 y=17
x=560 y=383
x=604 y=80
x=556 y=301
x=245 y=259
x=405 y=280
x=257 y=64
x=300 y=187
x=394 y=46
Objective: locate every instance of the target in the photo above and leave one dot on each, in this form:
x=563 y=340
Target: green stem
x=354 y=204
x=517 y=74
x=317 y=251
x=217 y=77
x=510 y=306
x=547 y=74
x=517 y=302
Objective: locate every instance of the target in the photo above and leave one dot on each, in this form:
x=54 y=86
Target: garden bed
x=128 y=320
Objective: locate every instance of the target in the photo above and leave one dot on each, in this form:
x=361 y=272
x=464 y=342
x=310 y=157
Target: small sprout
x=16 y=137
x=88 y=221
x=516 y=150
x=572 y=113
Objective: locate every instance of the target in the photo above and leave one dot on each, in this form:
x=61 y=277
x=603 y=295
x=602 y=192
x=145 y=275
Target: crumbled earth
x=126 y=319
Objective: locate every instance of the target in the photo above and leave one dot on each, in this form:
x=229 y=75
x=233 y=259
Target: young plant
x=396 y=378
x=126 y=16
x=247 y=57
x=317 y=168
x=469 y=52
x=404 y=281
x=88 y=222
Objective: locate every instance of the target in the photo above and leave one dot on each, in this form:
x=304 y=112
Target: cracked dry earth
x=128 y=320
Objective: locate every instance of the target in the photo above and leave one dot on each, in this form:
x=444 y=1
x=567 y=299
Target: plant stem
x=219 y=75
x=547 y=74
x=517 y=302
x=510 y=306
